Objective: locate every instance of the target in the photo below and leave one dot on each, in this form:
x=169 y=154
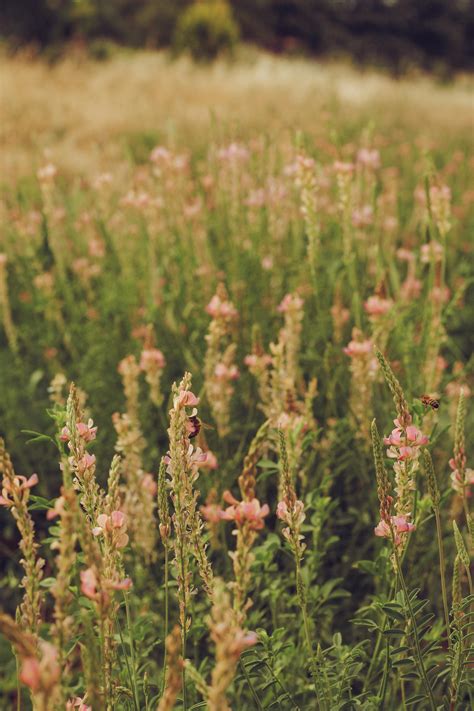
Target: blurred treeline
x=398 y=34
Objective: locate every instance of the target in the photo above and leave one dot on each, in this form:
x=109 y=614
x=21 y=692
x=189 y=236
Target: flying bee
x=195 y=425
x=429 y=401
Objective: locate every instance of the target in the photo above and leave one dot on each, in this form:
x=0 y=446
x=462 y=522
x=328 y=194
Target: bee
x=195 y=426
x=429 y=401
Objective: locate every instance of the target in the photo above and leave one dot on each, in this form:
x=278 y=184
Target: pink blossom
x=431 y=251
x=86 y=431
x=57 y=510
x=290 y=302
x=89 y=583
x=343 y=168
x=20 y=484
x=30 y=673
x=249 y=512
x=210 y=461
x=358 y=348
x=152 y=358
x=258 y=361
x=243 y=641
x=160 y=154
x=77 y=703
x=86 y=462
x=125 y=584
x=369 y=158
x=363 y=217
x=224 y=372
x=185 y=398
x=212 y=513
x=377 y=306
x=234 y=152
x=221 y=309
x=400 y=524
x=149 y=484
x=114 y=526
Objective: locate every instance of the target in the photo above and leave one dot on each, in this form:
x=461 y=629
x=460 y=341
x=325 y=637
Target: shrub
x=206 y=30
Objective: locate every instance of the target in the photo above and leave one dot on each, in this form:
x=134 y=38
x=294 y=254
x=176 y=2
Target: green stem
x=165 y=633
x=132 y=651
x=419 y=657
x=249 y=682
x=129 y=671
x=442 y=569
x=301 y=592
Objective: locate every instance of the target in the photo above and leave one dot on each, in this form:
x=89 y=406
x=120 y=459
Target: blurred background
x=397 y=34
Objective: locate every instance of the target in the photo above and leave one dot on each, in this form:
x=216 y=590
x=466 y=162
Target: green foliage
x=206 y=30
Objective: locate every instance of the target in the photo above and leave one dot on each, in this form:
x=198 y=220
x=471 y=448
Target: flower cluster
x=152 y=362
x=398 y=524
x=113 y=528
x=404 y=444
x=245 y=513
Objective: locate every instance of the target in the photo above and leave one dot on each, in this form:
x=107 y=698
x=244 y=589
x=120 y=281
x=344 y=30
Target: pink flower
x=212 y=513
x=358 y=348
x=258 y=361
x=86 y=462
x=149 y=484
x=125 y=584
x=89 y=583
x=114 y=527
x=400 y=524
x=20 y=485
x=30 y=673
x=57 y=510
x=431 y=251
x=376 y=306
x=152 y=358
x=343 y=168
x=210 y=461
x=87 y=432
x=363 y=217
x=245 y=512
x=243 y=641
x=77 y=703
x=185 y=398
x=224 y=372
x=369 y=158
x=415 y=436
x=221 y=309
x=290 y=302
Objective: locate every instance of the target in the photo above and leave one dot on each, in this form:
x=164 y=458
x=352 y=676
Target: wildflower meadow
x=235 y=388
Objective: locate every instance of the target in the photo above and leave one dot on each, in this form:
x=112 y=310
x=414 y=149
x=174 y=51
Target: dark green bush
x=206 y=30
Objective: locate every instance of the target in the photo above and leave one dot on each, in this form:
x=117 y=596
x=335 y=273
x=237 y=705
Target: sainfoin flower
x=221 y=308
x=41 y=673
x=113 y=526
x=20 y=484
x=250 y=513
x=462 y=485
x=400 y=524
x=86 y=431
x=185 y=398
x=377 y=306
x=152 y=357
x=405 y=444
x=358 y=348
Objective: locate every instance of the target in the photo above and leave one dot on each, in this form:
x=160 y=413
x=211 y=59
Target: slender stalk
x=129 y=671
x=132 y=651
x=249 y=682
x=442 y=573
x=419 y=657
x=165 y=633
x=304 y=611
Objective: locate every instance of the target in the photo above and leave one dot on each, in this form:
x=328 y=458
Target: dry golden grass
x=84 y=112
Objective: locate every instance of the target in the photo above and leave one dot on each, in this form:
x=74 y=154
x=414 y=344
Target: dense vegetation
x=302 y=290
x=399 y=34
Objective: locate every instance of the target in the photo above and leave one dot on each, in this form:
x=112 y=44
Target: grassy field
x=290 y=244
